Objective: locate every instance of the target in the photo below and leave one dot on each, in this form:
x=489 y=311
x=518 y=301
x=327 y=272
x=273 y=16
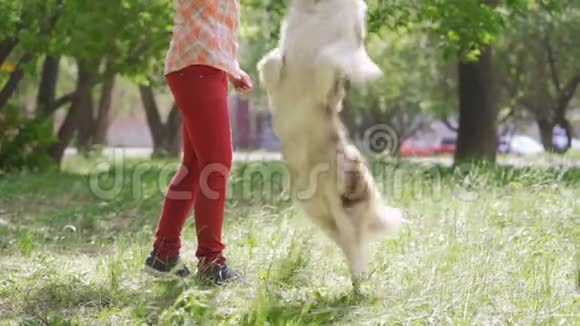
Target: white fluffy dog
x=320 y=50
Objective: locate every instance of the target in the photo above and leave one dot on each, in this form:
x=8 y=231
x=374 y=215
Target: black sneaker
x=218 y=274
x=161 y=267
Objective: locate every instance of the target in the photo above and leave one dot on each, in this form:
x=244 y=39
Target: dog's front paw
x=270 y=69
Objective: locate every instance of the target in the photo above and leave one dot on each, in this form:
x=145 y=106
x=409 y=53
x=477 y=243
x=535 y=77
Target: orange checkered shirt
x=205 y=32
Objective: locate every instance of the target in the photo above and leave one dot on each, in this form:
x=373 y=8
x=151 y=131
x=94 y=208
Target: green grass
x=486 y=246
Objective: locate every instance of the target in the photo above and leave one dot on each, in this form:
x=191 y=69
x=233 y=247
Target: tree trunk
x=70 y=124
x=12 y=84
x=86 y=119
x=166 y=137
x=47 y=88
x=546 y=128
x=104 y=112
x=6 y=47
x=477 y=134
x=153 y=117
x=173 y=133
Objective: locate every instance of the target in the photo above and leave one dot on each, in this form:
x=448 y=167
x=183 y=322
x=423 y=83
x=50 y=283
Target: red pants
x=201 y=93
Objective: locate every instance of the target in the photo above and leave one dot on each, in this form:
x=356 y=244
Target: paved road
x=519 y=161
x=113 y=152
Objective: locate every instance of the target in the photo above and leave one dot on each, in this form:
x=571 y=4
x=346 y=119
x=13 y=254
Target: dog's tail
x=270 y=69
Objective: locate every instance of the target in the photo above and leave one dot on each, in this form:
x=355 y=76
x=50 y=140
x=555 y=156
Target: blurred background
x=462 y=81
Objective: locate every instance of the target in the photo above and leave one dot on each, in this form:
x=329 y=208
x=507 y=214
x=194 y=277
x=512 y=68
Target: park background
x=473 y=131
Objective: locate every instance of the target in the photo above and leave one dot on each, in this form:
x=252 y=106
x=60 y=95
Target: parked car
x=417 y=148
x=447 y=146
x=576 y=144
x=524 y=145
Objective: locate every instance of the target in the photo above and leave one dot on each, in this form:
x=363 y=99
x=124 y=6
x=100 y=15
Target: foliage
x=259 y=32
x=9 y=17
x=537 y=58
x=412 y=87
x=263 y=18
x=419 y=43
x=131 y=36
x=30 y=22
x=23 y=141
x=459 y=26
x=106 y=38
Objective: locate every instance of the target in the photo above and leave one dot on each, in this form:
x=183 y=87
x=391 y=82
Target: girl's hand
x=243 y=83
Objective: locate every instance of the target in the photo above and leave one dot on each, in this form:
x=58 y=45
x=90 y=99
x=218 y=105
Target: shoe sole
x=153 y=272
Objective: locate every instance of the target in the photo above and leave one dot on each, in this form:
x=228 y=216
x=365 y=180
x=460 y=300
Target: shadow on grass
x=53 y=300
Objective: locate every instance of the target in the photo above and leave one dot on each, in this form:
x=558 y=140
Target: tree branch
x=449 y=125
x=509 y=115
x=6 y=47
x=513 y=83
x=62 y=101
x=68 y=98
x=152 y=114
x=15 y=78
x=411 y=132
x=552 y=65
x=566 y=95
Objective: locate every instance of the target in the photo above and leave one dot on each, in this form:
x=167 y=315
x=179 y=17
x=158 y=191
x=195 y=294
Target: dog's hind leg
x=352 y=242
x=359 y=261
x=356 y=253
x=332 y=230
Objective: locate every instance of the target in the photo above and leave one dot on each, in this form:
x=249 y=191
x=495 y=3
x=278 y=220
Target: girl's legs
x=201 y=93
x=178 y=202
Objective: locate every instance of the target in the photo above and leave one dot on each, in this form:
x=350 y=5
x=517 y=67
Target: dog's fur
x=321 y=50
